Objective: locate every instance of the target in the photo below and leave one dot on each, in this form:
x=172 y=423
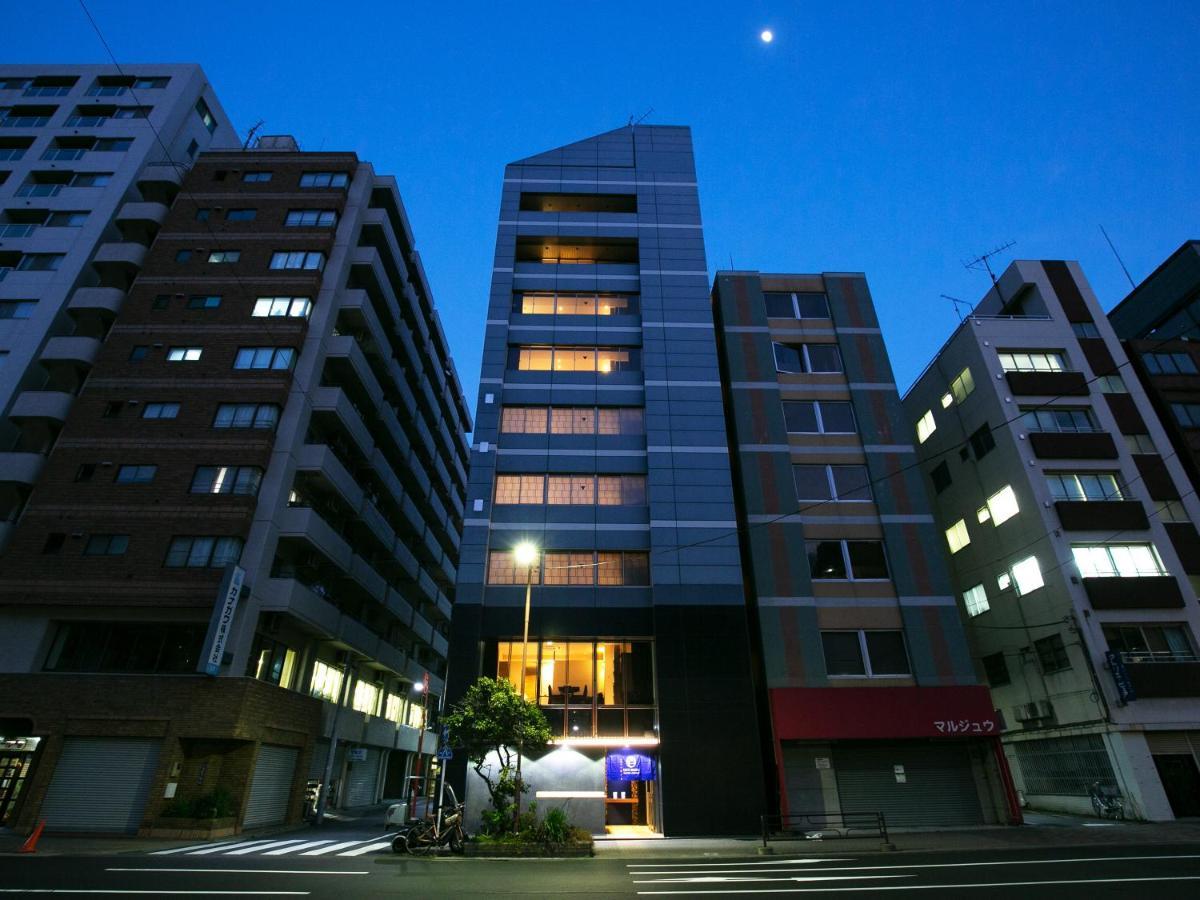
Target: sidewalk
x=336 y=822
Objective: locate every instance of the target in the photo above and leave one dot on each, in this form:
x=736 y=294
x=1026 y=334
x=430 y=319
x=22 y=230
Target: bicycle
x=1107 y=804
x=424 y=837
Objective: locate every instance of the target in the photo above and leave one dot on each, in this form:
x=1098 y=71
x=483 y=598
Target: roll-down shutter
x=938 y=786
x=361 y=780
x=101 y=784
x=271 y=787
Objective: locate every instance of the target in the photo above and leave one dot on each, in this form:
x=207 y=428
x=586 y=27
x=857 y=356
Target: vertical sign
x=222 y=620
x=1120 y=675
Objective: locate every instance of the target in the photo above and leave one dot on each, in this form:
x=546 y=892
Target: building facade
x=600 y=439
x=872 y=700
x=275 y=409
x=1070 y=529
x=85 y=181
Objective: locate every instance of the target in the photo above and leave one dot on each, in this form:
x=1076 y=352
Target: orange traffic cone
x=30 y=846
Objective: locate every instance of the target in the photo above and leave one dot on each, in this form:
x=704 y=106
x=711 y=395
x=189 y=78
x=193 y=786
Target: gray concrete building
x=90 y=159
x=1059 y=495
x=600 y=440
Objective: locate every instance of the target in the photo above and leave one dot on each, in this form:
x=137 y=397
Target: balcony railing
x=1158 y=656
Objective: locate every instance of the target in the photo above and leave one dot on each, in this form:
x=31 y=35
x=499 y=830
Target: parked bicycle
x=424 y=837
x=1108 y=804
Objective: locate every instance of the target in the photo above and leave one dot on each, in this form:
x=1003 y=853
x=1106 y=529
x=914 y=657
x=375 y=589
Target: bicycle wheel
x=421 y=839
x=456 y=839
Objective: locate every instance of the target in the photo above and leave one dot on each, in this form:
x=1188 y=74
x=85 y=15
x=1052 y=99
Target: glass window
x=800 y=416
x=962 y=386
x=823 y=357
x=976 y=600
x=851 y=483
x=298 y=259
x=184 y=354
x=1032 y=361
x=256 y=177
x=1002 y=505
x=812 y=306
x=996 y=669
x=1084 y=486
x=925 y=426
x=577 y=490
x=812 y=482
x=264 y=358
x=160 y=411
x=106 y=545
x=940 y=476
x=203 y=552
x=324 y=179
x=779 y=306
x=366 y=697
x=1027 y=575
x=202 y=301
x=957 y=536
x=282 y=307
x=326 y=682
x=826 y=561
x=135 y=474
x=867 y=560
x=836 y=417
x=241 y=215
x=243 y=480
x=1187 y=414
x=843 y=653
x=246 y=415
x=306 y=218
x=1111 y=384
x=885 y=653
x=1117 y=560
x=1052 y=653
x=1059 y=419
x=1163 y=363
x=788 y=359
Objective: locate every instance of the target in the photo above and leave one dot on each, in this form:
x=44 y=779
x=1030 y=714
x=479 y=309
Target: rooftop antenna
x=1118 y=256
x=640 y=119
x=982 y=263
x=251 y=133
x=957 y=303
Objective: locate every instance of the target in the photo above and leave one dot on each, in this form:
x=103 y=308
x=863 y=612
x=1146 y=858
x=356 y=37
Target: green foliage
x=492 y=718
x=555 y=827
x=219 y=804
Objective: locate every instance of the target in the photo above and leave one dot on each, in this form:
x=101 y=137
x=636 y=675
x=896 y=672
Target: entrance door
x=271 y=787
x=630 y=804
x=1181 y=781
x=101 y=784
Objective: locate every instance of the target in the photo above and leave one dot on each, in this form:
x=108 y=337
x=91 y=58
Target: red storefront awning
x=868 y=713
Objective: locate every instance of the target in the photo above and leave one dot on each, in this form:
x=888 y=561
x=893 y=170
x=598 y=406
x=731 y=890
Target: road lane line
x=125 y=892
x=220 y=870
x=930 y=887
x=221 y=848
x=960 y=865
x=361 y=850
x=304 y=845
x=804 y=861
x=193 y=847
x=722 y=879
x=321 y=851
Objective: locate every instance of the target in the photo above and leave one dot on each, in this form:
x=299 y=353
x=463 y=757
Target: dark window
x=112 y=409
x=825 y=560
x=824 y=358
x=982 y=441
x=219 y=175
x=241 y=215
x=836 y=417
x=192 y=147
x=885 y=649
x=800 y=416
x=256 y=177
x=867 y=559
x=204 y=301
x=812 y=482
x=851 y=482
x=996 y=669
x=940 y=476
x=202 y=215
x=788 y=359
x=54 y=542
x=812 y=306
x=106 y=545
x=183 y=256
x=843 y=653
x=160 y=301
x=136 y=474
x=126 y=647
x=85 y=472
x=138 y=353
x=779 y=306
x=1052 y=654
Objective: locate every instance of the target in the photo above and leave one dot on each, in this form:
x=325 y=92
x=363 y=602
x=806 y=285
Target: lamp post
x=423 y=688
x=526 y=554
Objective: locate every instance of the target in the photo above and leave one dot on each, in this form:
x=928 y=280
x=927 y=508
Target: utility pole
x=323 y=796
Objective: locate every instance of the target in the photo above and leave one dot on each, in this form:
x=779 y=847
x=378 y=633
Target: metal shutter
x=1172 y=742
x=101 y=784
x=271 y=787
x=939 y=790
x=361 y=780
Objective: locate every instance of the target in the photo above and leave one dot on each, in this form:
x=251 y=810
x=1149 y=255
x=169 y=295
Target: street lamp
x=526 y=554
x=420 y=687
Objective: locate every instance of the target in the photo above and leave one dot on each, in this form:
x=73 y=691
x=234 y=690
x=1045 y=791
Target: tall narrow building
x=1071 y=531
x=600 y=440
x=86 y=176
x=243 y=546
x=872 y=701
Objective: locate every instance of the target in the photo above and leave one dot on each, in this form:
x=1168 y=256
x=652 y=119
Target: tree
x=492 y=718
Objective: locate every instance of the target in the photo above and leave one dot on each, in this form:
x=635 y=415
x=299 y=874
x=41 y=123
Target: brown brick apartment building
x=274 y=401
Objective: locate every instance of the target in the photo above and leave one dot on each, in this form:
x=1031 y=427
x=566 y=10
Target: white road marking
x=770 y=862
x=193 y=847
x=321 y=851
x=368 y=849
x=221 y=848
x=723 y=879
x=932 y=887
x=125 y=892
x=304 y=845
x=268 y=845
x=244 y=871
x=961 y=865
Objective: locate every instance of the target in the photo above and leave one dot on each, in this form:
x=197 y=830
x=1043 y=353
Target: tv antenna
x=982 y=263
x=641 y=118
x=957 y=303
x=251 y=133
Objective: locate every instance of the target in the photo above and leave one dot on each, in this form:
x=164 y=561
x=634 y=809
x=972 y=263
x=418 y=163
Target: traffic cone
x=30 y=845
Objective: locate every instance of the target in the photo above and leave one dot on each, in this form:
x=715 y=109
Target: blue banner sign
x=1120 y=675
x=626 y=766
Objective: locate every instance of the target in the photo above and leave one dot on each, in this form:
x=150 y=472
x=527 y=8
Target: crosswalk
x=376 y=843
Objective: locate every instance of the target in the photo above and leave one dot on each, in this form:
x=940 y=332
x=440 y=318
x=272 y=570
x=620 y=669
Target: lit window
x=326 y=682
x=1027 y=575
x=976 y=600
x=282 y=307
x=366 y=697
x=184 y=354
x=1031 y=361
x=206 y=116
x=925 y=426
x=1003 y=505
x=298 y=259
x=264 y=358
x=160 y=411
x=224 y=256
x=243 y=480
x=947 y=400
x=957 y=536
x=1003 y=581
x=204 y=301
x=1084 y=486
x=1117 y=560
x=961 y=386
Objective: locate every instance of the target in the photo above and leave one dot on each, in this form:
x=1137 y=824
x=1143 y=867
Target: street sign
x=357 y=754
x=445 y=753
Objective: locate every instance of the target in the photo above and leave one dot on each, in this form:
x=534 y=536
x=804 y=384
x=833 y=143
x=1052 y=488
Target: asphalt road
x=1080 y=874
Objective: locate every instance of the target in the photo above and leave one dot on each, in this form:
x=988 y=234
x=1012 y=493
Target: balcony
x=107 y=301
x=140 y=222
x=1098 y=515
x=1162 y=675
x=1150 y=592
x=1047 y=384
x=49 y=405
x=75 y=351
x=118 y=263
x=21 y=468
x=1072 y=445
x=160 y=182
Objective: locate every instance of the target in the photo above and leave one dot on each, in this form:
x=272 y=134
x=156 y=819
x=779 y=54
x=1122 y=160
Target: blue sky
x=895 y=139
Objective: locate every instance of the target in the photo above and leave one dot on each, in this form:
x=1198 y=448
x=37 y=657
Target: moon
x=767 y=36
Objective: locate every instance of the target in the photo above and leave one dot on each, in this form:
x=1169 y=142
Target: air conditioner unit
x=1045 y=709
x=1026 y=712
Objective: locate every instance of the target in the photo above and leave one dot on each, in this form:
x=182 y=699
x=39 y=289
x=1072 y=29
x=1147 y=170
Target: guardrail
x=811 y=826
